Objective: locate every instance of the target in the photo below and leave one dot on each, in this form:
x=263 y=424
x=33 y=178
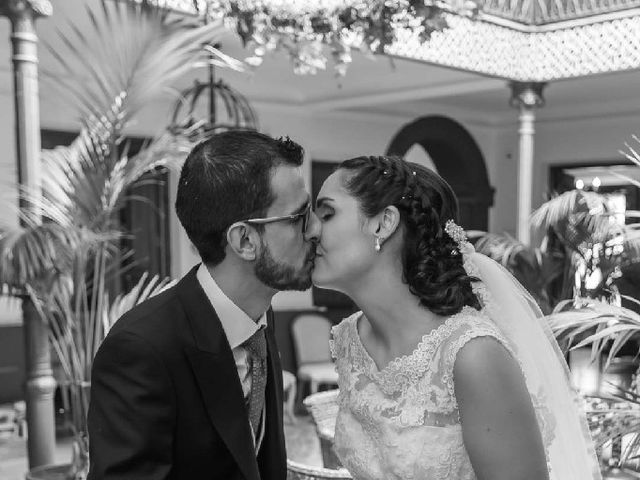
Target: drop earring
x=378 y=245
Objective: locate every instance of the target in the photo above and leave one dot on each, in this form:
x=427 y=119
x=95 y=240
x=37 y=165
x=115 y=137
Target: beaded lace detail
x=407 y=370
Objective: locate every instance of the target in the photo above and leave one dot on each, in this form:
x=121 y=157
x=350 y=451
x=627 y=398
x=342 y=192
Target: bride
x=448 y=372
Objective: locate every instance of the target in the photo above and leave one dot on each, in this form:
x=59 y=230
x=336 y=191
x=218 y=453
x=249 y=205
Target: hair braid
x=432 y=267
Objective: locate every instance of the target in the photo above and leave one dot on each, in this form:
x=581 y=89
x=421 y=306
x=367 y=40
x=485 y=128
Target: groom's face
x=285 y=259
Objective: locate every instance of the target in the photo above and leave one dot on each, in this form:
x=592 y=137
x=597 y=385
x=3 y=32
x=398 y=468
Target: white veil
x=569 y=447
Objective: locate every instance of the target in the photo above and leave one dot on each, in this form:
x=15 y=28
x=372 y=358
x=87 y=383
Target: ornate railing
x=502 y=52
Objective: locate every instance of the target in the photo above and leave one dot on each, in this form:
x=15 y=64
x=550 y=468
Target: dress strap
x=472 y=327
x=338 y=338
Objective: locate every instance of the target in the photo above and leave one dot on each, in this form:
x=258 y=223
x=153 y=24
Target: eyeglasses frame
x=305 y=214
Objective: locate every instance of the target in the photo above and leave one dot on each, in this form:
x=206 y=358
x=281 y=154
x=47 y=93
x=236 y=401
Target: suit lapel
x=215 y=371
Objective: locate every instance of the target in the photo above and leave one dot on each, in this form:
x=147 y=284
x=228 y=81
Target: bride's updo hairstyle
x=432 y=265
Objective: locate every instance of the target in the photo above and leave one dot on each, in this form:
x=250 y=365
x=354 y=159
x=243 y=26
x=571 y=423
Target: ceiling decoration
x=517 y=40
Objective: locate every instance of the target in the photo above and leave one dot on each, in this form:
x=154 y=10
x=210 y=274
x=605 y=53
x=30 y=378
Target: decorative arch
x=458 y=160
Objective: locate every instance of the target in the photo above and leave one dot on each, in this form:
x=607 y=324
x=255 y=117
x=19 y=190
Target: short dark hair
x=225 y=179
x=432 y=267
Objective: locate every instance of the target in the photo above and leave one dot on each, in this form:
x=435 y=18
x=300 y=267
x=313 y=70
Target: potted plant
x=67 y=250
x=607 y=326
x=583 y=250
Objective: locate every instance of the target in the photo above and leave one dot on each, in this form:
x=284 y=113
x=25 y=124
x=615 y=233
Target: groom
x=188 y=385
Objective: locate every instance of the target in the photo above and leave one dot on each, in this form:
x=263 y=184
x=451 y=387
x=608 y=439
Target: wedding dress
x=402 y=422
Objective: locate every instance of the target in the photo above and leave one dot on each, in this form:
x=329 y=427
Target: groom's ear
x=387 y=222
x=243 y=241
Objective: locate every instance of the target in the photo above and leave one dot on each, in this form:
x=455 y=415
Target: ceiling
x=594 y=96
x=380 y=85
x=606 y=176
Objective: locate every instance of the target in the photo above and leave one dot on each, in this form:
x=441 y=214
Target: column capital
x=16 y=8
x=527 y=94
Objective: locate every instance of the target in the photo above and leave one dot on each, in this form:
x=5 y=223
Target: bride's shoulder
x=471 y=319
x=467 y=325
x=473 y=327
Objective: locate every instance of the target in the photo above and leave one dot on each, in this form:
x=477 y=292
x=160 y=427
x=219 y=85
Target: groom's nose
x=313 y=230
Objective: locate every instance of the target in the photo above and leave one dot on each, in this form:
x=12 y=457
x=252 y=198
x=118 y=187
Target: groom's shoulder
x=153 y=318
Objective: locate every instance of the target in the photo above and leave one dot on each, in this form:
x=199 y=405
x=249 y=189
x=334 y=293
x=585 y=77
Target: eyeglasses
x=305 y=215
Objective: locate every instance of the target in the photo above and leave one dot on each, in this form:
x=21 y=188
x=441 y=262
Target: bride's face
x=345 y=252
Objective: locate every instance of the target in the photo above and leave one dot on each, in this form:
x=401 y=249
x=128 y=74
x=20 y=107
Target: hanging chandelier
x=227 y=109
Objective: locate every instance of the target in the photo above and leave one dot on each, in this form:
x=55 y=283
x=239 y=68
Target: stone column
x=40 y=384
x=526 y=97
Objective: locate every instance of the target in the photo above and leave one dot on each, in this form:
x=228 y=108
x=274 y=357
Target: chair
x=311 y=346
x=298 y=471
x=7 y=421
x=323 y=407
x=20 y=412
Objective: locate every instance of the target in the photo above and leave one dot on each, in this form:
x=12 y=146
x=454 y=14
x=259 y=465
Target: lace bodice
x=402 y=422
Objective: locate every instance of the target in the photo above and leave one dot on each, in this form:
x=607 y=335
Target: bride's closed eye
x=324 y=213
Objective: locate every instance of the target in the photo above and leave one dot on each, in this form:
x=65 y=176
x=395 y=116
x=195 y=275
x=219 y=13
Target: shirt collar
x=237 y=325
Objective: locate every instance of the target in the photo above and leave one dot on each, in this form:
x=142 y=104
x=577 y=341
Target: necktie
x=257 y=349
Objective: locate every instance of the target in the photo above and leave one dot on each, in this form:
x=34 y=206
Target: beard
x=280 y=275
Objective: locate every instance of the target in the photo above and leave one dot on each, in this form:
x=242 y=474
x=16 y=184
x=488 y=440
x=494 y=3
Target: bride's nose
x=314 y=229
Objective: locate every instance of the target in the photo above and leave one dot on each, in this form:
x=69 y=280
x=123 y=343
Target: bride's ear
x=387 y=222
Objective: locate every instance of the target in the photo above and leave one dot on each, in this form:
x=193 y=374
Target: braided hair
x=432 y=266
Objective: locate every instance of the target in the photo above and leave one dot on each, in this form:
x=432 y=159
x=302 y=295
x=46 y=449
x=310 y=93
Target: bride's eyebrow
x=320 y=202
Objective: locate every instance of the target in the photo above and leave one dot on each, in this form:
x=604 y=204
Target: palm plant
x=608 y=328
x=581 y=233
x=66 y=250
x=611 y=419
x=537 y=268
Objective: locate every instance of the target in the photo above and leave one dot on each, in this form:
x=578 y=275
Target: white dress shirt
x=238 y=328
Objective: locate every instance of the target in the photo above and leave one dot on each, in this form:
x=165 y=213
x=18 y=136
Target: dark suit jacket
x=166 y=400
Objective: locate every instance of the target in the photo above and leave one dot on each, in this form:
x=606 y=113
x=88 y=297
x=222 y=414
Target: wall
x=597 y=138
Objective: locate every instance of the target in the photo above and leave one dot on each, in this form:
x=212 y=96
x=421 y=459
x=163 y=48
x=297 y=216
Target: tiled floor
x=302 y=446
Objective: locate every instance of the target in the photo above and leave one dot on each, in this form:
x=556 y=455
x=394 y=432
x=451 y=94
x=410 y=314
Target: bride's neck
x=393 y=313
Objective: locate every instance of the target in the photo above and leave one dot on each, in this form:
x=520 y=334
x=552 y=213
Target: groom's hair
x=225 y=179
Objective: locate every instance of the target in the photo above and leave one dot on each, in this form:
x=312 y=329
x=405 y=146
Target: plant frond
x=144 y=289
x=555 y=212
x=627 y=178
x=130 y=55
x=630 y=153
x=31 y=254
x=609 y=321
x=501 y=248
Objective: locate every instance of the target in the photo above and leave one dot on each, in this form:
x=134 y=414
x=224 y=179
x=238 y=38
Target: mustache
x=311 y=254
